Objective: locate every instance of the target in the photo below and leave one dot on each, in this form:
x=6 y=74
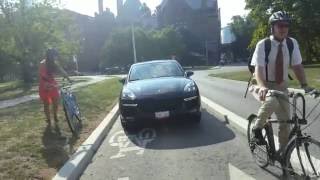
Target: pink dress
x=47 y=94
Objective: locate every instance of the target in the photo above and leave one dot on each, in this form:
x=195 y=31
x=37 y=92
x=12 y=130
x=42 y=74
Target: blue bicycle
x=71 y=108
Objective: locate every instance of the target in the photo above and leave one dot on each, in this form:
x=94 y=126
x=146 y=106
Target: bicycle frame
x=297 y=141
x=67 y=98
x=295 y=131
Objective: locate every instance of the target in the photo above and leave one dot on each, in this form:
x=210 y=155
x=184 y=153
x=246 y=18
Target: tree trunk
x=26 y=74
x=308 y=54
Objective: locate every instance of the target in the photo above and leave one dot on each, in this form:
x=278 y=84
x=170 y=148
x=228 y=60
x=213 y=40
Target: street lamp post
x=133 y=38
x=133 y=44
x=207 y=53
x=75 y=60
x=208 y=45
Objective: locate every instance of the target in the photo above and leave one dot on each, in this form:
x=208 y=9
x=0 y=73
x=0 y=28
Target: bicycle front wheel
x=303 y=158
x=259 y=152
x=73 y=122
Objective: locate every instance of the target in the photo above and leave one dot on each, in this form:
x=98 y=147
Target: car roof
x=156 y=61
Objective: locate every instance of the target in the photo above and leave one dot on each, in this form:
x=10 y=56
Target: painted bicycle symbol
x=129 y=143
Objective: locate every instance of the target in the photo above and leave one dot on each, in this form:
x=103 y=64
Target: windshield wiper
x=135 y=79
x=167 y=76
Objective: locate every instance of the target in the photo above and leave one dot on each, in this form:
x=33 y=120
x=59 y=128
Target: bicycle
x=298 y=148
x=71 y=108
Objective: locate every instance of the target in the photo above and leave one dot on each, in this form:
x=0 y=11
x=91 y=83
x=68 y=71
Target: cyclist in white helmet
x=271 y=72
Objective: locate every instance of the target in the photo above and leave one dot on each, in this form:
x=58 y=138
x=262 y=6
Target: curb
x=77 y=163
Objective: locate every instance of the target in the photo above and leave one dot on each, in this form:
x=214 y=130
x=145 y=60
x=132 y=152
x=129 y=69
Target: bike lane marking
x=123 y=178
x=237 y=174
x=129 y=143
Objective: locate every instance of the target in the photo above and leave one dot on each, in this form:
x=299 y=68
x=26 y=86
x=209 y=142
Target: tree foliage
x=155 y=44
x=305 y=26
x=242 y=28
x=97 y=31
x=27 y=31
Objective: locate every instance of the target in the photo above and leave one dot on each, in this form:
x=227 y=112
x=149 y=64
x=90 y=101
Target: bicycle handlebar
x=65 y=83
x=314 y=93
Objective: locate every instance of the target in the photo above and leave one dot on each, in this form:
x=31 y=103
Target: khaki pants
x=281 y=108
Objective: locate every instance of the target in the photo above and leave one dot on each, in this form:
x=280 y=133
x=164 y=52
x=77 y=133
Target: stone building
x=200 y=17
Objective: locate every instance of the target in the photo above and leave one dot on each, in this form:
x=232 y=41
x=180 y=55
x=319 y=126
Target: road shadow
x=182 y=133
x=57 y=147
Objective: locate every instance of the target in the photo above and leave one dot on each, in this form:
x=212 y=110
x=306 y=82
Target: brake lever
x=291 y=94
x=314 y=93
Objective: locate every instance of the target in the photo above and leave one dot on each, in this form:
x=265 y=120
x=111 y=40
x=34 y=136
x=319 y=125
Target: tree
x=305 y=26
x=168 y=42
x=117 y=50
x=155 y=44
x=194 y=53
x=30 y=30
x=306 y=15
x=96 y=32
x=145 y=10
x=242 y=28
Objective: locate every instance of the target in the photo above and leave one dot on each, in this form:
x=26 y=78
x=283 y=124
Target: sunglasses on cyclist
x=282 y=25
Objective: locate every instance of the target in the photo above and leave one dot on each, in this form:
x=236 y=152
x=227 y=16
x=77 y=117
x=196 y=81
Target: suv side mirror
x=123 y=80
x=189 y=73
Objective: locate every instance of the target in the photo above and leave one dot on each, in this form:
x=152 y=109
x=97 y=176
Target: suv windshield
x=155 y=70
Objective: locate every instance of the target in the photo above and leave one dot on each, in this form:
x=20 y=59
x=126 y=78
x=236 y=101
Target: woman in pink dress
x=48 y=87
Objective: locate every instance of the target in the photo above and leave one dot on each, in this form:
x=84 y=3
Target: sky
x=228 y=8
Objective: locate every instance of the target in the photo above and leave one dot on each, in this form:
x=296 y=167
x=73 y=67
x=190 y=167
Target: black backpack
x=267 y=49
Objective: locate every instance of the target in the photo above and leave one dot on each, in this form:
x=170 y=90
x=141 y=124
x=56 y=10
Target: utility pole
x=133 y=44
x=207 y=52
x=100 y=6
x=75 y=60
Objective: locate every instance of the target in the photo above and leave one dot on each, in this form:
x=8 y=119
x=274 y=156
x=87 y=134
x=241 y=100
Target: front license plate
x=163 y=114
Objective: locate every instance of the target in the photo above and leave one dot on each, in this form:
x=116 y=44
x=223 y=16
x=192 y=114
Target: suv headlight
x=190 y=87
x=127 y=94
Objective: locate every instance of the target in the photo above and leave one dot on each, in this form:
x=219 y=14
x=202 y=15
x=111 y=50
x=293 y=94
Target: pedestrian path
x=23 y=99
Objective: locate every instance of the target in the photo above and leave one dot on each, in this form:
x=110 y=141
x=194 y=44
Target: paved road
x=209 y=150
x=170 y=151
x=229 y=94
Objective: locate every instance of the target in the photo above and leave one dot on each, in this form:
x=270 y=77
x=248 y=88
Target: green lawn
x=31 y=150
x=312 y=73
x=14 y=89
x=6 y=86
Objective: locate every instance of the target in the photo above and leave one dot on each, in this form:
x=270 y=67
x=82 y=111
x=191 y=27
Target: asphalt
x=176 y=150
x=230 y=94
x=212 y=149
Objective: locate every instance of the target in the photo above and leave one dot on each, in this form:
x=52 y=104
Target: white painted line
x=243 y=124
x=236 y=119
x=123 y=178
x=237 y=174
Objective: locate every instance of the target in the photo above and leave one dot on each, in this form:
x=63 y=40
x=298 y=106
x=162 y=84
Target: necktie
x=279 y=65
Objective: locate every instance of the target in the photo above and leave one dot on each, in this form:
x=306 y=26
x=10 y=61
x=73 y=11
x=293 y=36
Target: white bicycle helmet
x=279 y=16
